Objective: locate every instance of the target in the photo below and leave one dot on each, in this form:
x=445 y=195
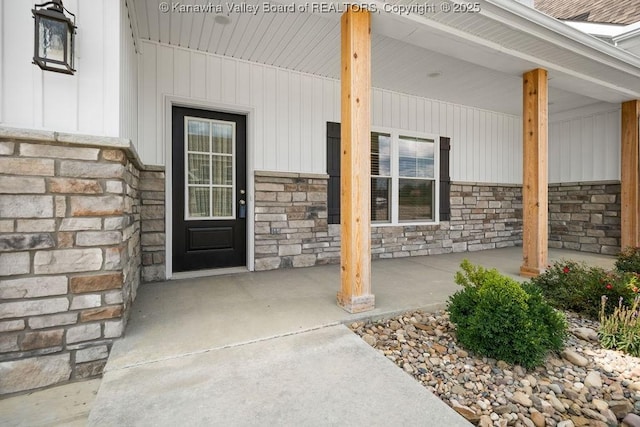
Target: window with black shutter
x=411 y=184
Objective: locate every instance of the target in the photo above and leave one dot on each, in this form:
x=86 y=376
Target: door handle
x=242 y=211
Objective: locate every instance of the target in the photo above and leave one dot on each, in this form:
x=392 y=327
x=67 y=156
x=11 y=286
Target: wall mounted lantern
x=54 y=37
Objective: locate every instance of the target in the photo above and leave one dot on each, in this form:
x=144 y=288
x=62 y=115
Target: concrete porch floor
x=269 y=347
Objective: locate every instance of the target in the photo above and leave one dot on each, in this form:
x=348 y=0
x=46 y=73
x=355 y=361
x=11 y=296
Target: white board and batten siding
x=88 y=102
x=584 y=144
x=128 y=75
x=291 y=110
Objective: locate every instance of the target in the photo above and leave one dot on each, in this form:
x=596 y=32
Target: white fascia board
x=629 y=32
x=557 y=32
x=596 y=29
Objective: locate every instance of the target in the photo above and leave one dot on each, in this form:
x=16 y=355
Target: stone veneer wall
x=69 y=255
x=483 y=216
x=585 y=216
x=290 y=219
x=291 y=227
x=152 y=212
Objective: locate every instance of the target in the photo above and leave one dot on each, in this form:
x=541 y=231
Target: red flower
x=635 y=289
x=609 y=286
x=565 y=270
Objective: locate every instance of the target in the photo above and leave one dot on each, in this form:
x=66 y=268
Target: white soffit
x=405 y=50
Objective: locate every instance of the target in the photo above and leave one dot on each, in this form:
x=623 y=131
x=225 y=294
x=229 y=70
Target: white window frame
x=395 y=176
x=187 y=217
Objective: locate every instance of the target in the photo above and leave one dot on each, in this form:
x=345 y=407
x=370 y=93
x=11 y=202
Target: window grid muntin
x=211 y=154
x=395 y=176
x=388 y=177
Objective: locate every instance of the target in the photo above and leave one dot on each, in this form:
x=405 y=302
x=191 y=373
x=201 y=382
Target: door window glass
x=209 y=168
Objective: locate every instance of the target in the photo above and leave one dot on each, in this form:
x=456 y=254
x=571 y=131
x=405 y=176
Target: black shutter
x=445 y=179
x=333 y=170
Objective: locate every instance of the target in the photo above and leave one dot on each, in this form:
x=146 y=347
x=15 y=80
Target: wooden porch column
x=535 y=173
x=630 y=174
x=355 y=186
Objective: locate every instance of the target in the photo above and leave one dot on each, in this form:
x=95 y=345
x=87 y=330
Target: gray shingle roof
x=602 y=11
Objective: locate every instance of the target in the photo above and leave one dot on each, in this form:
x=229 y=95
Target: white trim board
x=168 y=102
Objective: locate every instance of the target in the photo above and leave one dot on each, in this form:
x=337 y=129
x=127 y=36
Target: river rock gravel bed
x=585 y=385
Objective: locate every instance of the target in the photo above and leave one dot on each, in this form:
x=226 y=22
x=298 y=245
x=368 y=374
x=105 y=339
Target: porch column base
x=530 y=271
x=356 y=304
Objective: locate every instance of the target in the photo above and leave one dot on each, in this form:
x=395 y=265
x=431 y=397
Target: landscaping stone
x=574 y=357
x=521 y=399
x=593 y=380
x=620 y=408
x=538 y=419
x=488 y=392
x=632 y=420
x=586 y=334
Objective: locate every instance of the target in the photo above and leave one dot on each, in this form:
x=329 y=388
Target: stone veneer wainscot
x=69 y=254
x=585 y=216
x=291 y=227
x=152 y=214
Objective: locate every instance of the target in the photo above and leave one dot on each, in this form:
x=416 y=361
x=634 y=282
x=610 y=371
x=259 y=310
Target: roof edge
x=561 y=29
x=629 y=32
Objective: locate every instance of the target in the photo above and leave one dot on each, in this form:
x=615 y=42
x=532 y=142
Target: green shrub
x=497 y=317
x=621 y=329
x=629 y=260
x=569 y=285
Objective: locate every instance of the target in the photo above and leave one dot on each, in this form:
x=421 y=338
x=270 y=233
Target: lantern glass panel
x=69 y=46
x=53 y=37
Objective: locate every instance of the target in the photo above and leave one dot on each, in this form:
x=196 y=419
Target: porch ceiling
x=405 y=52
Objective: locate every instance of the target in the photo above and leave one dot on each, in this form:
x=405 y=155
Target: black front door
x=209 y=189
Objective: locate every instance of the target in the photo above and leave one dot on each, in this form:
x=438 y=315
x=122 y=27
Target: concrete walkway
x=270 y=348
